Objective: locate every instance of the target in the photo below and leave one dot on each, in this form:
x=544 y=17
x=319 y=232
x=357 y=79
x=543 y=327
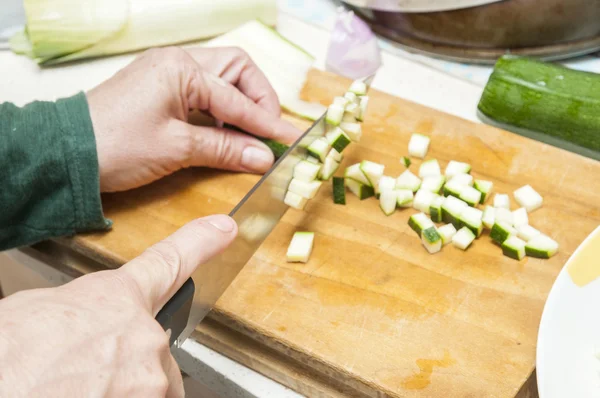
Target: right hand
x=97 y=336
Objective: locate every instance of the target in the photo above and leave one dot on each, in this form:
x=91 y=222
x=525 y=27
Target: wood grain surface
x=372 y=311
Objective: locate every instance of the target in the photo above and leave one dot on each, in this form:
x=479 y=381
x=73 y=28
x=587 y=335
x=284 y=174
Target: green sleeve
x=49 y=181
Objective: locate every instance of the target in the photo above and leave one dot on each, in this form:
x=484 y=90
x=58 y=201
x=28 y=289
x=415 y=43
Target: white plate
x=569 y=335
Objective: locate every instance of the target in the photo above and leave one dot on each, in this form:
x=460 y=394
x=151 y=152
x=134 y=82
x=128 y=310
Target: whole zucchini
x=561 y=104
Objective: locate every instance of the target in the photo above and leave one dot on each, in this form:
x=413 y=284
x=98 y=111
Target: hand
x=140 y=116
x=97 y=336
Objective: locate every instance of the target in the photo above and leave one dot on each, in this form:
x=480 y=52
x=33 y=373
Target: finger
x=173 y=373
x=210 y=93
x=227 y=149
x=163 y=268
x=236 y=67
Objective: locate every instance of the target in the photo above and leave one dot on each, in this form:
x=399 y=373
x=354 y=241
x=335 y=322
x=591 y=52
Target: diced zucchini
x=337 y=139
x=339 y=191
x=541 y=247
x=348 y=118
x=429 y=168
x=446 y=232
x=463 y=238
x=485 y=187
x=419 y=222
x=300 y=247
x=350 y=96
x=352 y=108
x=455 y=167
x=294 y=200
x=335 y=155
x=305 y=189
x=519 y=217
x=435 y=208
x=387 y=201
x=463 y=179
x=514 y=247
x=505 y=215
x=431 y=240
x=354 y=172
x=306 y=171
x=352 y=130
x=453 y=188
x=470 y=195
x=341 y=101
x=527 y=197
x=358 y=87
x=452 y=209
x=527 y=232
x=489 y=217
x=319 y=148
x=418 y=145
x=422 y=200
x=329 y=168
x=407 y=180
x=386 y=183
x=433 y=183
x=471 y=218
x=334 y=114
x=501 y=200
x=362 y=191
x=373 y=171
x=362 y=110
x=405 y=161
x=501 y=231
x=404 y=197
x=312 y=159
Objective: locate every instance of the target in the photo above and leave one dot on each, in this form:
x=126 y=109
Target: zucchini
x=485 y=187
x=514 y=247
x=387 y=201
x=463 y=238
x=362 y=191
x=433 y=183
x=429 y=168
x=404 y=197
x=557 y=105
x=339 y=191
x=470 y=195
x=405 y=161
x=305 y=189
x=355 y=173
x=520 y=217
x=454 y=167
x=435 y=208
x=418 y=145
x=407 y=180
x=423 y=199
x=337 y=139
x=527 y=197
x=329 y=168
x=419 y=222
x=300 y=247
x=335 y=113
x=431 y=240
x=501 y=231
x=541 y=246
x=501 y=200
x=527 y=232
x=319 y=148
x=294 y=200
x=306 y=171
x=471 y=218
x=446 y=232
x=362 y=108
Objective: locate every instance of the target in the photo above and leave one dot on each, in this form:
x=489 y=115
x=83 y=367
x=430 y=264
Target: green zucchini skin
x=277 y=148
x=546 y=98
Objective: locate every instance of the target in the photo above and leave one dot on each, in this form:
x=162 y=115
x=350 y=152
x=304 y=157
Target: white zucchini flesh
x=422 y=200
x=386 y=183
x=335 y=155
x=335 y=113
x=319 y=148
x=305 y=189
x=358 y=87
x=352 y=108
x=433 y=183
x=489 y=217
x=350 y=96
x=504 y=215
x=485 y=187
x=348 y=118
x=418 y=145
x=329 y=168
x=446 y=232
x=373 y=171
x=454 y=188
x=341 y=101
x=431 y=239
x=527 y=197
x=312 y=159
x=404 y=197
x=463 y=238
x=470 y=195
x=362 y=110
x=472 y=219
x=407 y=180
x=357 y=188
x=429 y=168
x=541 y=246
x=455 y=167
x=520 y=217
x=387 y=201
x=354 y=172
x=300 y=247
x=294 y=200
x=514 y=247
x=501 y=200
x=527 y=232
x=462 y=179
x=352 y=130
x=306 y=171
x=419 y=222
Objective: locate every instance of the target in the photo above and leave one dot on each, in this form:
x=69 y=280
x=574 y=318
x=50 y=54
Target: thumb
x=158 y=272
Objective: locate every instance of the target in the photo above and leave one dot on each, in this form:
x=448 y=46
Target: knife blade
x=411 y=6
x=256 y=215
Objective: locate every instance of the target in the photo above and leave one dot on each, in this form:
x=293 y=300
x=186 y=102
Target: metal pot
x=549 y=29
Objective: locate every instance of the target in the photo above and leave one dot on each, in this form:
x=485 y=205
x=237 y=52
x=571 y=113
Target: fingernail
x=257 y=159
x=222 y=223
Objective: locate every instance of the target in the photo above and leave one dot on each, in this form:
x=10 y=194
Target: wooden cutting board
x=372 y=311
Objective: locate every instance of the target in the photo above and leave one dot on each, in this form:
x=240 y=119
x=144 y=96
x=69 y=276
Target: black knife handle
x=175 y=313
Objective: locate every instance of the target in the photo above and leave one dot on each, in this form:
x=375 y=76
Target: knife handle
x=175 y=313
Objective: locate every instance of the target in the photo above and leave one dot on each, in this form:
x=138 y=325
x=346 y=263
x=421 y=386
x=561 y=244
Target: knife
x=410 y=6
x=256 y=216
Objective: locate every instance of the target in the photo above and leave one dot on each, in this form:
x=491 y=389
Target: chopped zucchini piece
x=435 y=208
x=501 y=201
x=334 y=116
x=485 y=187
x=433 y=183
x=453 y=188
x=341 y=101
x=463 y=238
x=386 y=183
x=358 y=87
x=419 y=222
x=502 y=214
x=527 y=232
x=407 y=180
x=455 y=167
x=463 y=179
x=354 y=172
x=337 y=139
x=373 y=171
x=501 y=231
x=350 y=96
x=362 y=110
x=470 y=195
x=404 y=197
x=519 y=217
x=418 y=145
x=446 y=232
x=429 y=168
x=300 y=247
x=294 y=200
x=305 y=189
x=405 y=161
x=452 y=209
x=513 y=247
x=335 y=155
x=348 y=118
x=387 y=201
x=329 y=168
x=319 y=148
x=362 y=191
x=339 y=191
x=422 y=200
x=312 y=159
x=306 y=171
x=431 y=240
x=527 y=197
x=471 y=218
x=541 y=247
x=489 y=217
x=352 y=108
x=352 y=130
